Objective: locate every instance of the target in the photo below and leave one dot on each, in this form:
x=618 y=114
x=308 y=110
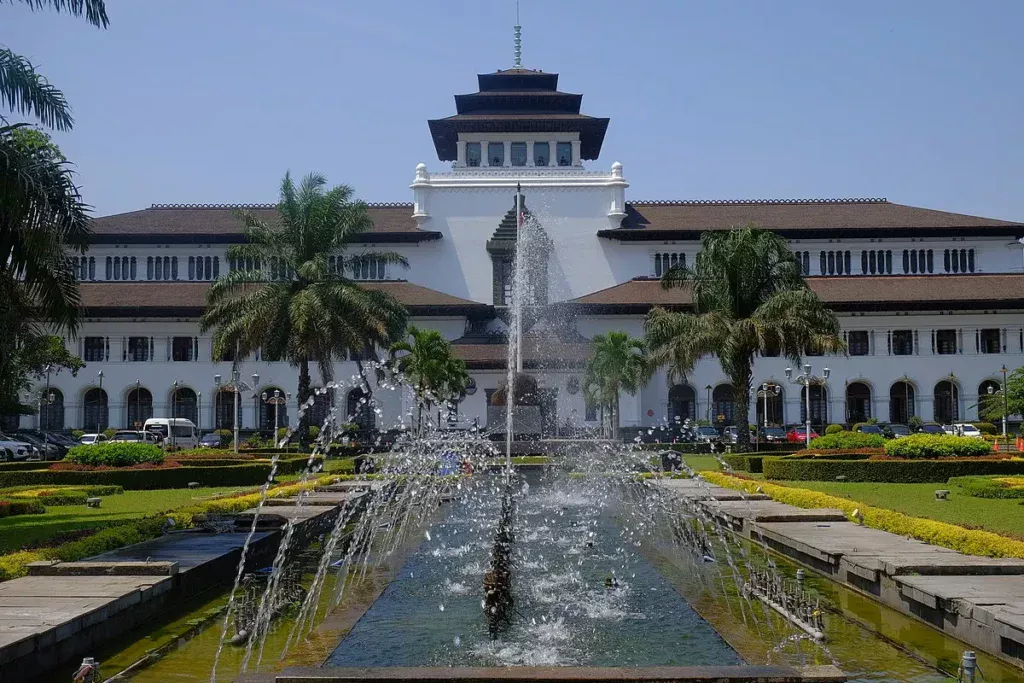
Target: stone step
x=92 y=568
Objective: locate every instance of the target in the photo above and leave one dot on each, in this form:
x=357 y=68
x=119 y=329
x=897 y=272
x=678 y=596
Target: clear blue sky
x=212 y=100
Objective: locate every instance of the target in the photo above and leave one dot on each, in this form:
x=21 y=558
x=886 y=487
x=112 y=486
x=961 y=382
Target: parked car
x=731 y=435
x=894 y=431
x=871 y=429
x=932 y=429
x=15 y=449
x=131 y=436
x=799 y=434
x=707 y=435
x=212 y=440
x=89 y=439
x=48 y=447
x=963 y=429
x=773 y=434
x=178 y=431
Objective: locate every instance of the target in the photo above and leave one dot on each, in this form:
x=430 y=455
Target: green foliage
x=109 y=432
x=748 y=297
x=896 y=471
x=428 y=364
x=77 y=434
x=990 y=408
x=937 y=446
x=915 y=423
x=314 y=432
x=985 y=427
x=844 y=439
x=617 y=363
x=833 y=429
x=22 y=506
x=745 y=462
x=173 y=478
x=987 y=487
x=115 y=454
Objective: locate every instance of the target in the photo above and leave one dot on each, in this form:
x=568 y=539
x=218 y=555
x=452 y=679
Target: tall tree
x=617 y=363
x=748 y=297
x=990 y=407
x=297 y=303
x=425 y=359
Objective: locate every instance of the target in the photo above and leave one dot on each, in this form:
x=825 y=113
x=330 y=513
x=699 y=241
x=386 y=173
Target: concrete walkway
x=64 y=611
x=979 y=600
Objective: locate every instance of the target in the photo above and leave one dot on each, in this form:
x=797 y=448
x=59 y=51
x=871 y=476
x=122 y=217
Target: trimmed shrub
x=840 y=453
x=937 y=446
x=985 y=427
x=314 y=432
x=212 y=454
x=115 y=454
x=166 y=478
x=847 y=440
x=744 y=462
x=77 y=434
x=21 y=506
x=892 y=471
x=109 y=432
x=915 y=423
x=55 y=497
x=969 y=541
x=833 y=429
x=990 y=487
x=23 y=465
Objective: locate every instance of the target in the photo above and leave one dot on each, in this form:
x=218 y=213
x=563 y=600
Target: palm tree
x=427 y=362
x=294 y=305
x=748 y=297
x=618 y=363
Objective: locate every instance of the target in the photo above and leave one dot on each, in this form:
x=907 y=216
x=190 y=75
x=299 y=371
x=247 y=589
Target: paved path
x=979 y=600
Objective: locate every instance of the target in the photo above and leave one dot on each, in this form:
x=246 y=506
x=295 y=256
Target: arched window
x=223 y=410
x=682 y=403
x=946 y=407
x=722 y=404
x=819 y=405
x=858 y=402
x=268 y=408
x=321 y=408
x=95 y=415
x=51 y=411
x=901 y=402
x=359 y=409
x=776 y=415
x=138 y=407
x=185 y=405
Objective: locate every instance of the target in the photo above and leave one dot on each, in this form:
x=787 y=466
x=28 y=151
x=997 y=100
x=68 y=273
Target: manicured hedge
x=21 y=506
x=173 y=478
x=744 y=462
x=987 y=487
x=115 y=454
x=894 y=471
x=23 y=465
x=848 y=440
x=937 y=446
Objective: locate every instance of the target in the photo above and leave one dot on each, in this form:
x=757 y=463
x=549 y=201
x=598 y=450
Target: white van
x=178 y=431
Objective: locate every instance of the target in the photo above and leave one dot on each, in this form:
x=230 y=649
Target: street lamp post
x=1006 y=439
x=954 y=407
x=708 y=389
x=276 y=400
x=49 y=396
x=767 y=389
x=807 y=379
x=138 y=401
x=199 y=413
x=906 y=399
x=99 y=415
x=174 y=401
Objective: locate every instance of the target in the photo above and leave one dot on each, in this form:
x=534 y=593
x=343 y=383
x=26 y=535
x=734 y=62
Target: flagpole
x=520 y=271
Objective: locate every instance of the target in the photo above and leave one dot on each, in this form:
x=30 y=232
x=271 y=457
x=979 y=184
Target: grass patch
x=17 y=532
x=918 y=500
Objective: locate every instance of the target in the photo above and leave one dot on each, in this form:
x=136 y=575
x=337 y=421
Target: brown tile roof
x=218 y=220
x=843 y=293
x=655 y=219
x=169 y=299
x=548 y=355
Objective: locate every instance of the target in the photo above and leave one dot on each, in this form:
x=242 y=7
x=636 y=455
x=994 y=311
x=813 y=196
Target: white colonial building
x=930 y=302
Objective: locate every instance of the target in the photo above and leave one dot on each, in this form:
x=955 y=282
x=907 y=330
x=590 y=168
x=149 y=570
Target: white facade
x=466 y=203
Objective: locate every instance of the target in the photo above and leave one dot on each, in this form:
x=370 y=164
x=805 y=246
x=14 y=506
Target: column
x=484 y=160
x=460 y=157
x=508 y=152
x=576 y=153
x=552 y=149
x=529 y=152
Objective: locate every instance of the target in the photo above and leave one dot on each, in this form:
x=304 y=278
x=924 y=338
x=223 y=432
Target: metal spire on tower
x=517 y=62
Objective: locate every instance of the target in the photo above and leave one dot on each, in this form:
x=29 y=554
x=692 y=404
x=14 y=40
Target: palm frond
x=26 y=91
x=95 y=10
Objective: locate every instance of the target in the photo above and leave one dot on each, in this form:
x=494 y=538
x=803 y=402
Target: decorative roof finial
x=517 y=63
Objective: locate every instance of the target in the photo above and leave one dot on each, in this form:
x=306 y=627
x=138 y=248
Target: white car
x=963 y=430
x=90 y=439
x=12 y=449
x=128 y=436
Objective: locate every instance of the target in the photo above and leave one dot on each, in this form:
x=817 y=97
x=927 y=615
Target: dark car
x=932 y=429
x=871 y=429
x=48 y=447
x=212 y=440
x=772 y=434
x=895 y=431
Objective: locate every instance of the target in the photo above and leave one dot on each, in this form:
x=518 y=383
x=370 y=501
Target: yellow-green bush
x=937 y=446
x=969 y=541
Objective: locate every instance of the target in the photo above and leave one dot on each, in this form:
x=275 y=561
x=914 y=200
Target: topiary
x=846 y=440
x=115 y=454
x=985 y=427
x=314 y=431
x=109 y=432
x=77 y=434
x=833 y=429
x=857 y=426
x=915 y=423
x=937 y=446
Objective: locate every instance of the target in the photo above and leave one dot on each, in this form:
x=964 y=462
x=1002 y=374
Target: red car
x=799 y=435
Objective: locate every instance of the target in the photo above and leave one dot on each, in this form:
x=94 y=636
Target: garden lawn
x=15 y=532
x=918 y=500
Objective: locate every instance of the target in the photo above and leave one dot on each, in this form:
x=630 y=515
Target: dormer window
x=540 y=153
x=564 y=153
x=473 y=154
x=519 y=154
x=496 y=154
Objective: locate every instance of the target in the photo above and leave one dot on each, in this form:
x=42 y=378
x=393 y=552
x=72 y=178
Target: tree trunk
x=615 y=417
x=304 y=393
x=741 y=408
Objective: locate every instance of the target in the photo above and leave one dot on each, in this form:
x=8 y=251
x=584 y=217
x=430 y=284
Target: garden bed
x=897 y=471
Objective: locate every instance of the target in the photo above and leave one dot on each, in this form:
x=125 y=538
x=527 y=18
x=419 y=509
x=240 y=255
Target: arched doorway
x=185 y=404
x=359 y=410
x=95 y=415
x=858 y=402
x=224 y=415
x=722 y=404
x=51 y=411
x=989 y=399
x=268 y=408
x=946 y=406
x=682 y=403
x=819 y=406
x=138 y=407
x=776 y=415
x=901 y=402
x=321 y=408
